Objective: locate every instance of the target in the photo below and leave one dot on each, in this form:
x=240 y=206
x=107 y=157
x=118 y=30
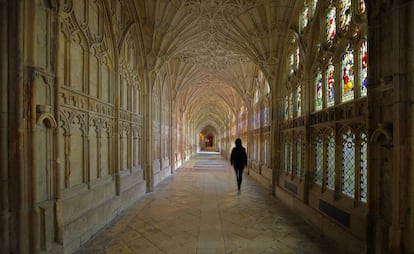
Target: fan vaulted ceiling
x=210 y=50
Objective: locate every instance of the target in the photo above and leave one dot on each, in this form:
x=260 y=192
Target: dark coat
x=238 y=157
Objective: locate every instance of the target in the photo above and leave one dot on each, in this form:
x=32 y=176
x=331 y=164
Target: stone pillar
x=4 y=183
x=389 y=106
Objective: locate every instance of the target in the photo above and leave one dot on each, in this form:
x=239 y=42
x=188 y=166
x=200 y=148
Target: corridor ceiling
x=211 y=50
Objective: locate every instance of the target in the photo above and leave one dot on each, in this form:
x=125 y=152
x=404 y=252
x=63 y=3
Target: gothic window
x=318 y=90
x=313 y=5
x=345 y=13
x=304 y=17
x=298 y=156
x=294 y=57
x=299 y=100
x=318 y=160
x=330 y=84
x=363 y=71
x=331 y=25
x=307 y=12
x=364 y=167
x=330 y=171
x=266 y=88
x=347 y=80
x=362 y=7
x=348 y=164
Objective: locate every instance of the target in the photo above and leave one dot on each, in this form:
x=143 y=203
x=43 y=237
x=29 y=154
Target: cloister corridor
x=105 y=106
x=199 y=211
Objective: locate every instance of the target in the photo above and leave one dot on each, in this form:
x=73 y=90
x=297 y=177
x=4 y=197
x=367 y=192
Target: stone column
x=389 y=106
x=4 y=183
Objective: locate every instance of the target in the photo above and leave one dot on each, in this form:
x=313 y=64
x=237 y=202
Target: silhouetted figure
x=238 y=159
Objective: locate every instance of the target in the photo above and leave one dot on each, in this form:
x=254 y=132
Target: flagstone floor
x=199 y=211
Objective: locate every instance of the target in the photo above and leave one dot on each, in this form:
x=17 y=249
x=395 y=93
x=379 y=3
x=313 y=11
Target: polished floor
x=198 y=210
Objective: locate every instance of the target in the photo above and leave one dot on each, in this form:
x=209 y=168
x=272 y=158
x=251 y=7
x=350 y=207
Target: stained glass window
x=364 y=167
x=318 y=90
x=362 y=7
x=304 y=17
x=345 y=13
x=363 y=72
x=331 y=24
x=298 y=157
x=291 y=64
x=318 y=160
x=348 y=164
x=297 y=58
x=266 y=88
x=299 y=101
x=347 y=74
x=330 y=171
x=330 y=84
x=313 y=5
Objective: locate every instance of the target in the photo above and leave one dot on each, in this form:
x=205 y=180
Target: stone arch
x=48 y=120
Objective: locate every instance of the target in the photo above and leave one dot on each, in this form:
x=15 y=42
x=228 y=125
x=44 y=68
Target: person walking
x=238 y=160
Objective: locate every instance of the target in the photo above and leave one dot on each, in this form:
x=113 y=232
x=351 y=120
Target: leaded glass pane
x=345 y=13
x=318 y=90
x=291 y=105
x=363 y=72
x=287 y=158
x=313 y=5
x=297 y=58
x=290 y=158
x=364 y=167
x=256 y=96
x=304 y=17
x=348 y=164
x=291 y=64
x=266 y=115
x=318 y=160
x=298 y=157
x=267 y=88
x=330 y=84
x=299 y=101
x=286 y=107
x=331 y=24
x=362 y=7
x=330 y=171
x=347 y=81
